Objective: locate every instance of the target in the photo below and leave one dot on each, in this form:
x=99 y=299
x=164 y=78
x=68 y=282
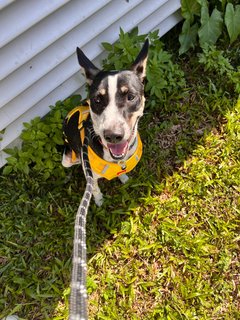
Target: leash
x=78 y=295
x=78 y=118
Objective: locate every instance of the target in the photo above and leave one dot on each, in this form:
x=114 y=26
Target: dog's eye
x=97 y=99
x=130 y=97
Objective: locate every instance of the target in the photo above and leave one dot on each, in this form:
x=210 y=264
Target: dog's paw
x=123 y=178
x=98 y=198
x=67 y=161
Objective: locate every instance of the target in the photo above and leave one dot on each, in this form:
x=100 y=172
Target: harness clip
x=122 y=164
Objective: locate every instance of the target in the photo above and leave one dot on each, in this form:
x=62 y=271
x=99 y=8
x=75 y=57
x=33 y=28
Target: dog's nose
x=113 y=137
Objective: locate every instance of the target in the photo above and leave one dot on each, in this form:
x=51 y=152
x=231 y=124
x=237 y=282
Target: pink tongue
x=118 y=149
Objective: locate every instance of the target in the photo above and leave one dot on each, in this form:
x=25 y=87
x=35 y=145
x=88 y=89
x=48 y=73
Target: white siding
x=38 y=64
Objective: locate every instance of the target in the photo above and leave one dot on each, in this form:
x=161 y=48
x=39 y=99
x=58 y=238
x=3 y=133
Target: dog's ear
x=89 y=68
x=139 y=65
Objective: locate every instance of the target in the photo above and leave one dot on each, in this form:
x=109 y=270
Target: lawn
x=166 y=245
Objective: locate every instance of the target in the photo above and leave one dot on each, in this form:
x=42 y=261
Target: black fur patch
x=71 y=133
x=94 y=141
x=99 y=101
x=129 y=97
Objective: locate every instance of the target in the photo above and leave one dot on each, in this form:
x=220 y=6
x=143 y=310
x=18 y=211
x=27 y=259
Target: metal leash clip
x=122 y=164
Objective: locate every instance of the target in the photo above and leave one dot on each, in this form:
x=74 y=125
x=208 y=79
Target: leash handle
x=78 y=295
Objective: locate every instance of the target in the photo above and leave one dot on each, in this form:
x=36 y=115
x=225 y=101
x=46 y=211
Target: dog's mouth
x=118 y=150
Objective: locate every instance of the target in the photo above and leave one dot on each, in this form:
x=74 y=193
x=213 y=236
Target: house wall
x=38 y=39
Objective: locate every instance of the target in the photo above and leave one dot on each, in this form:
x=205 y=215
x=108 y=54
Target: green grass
x=163 y=246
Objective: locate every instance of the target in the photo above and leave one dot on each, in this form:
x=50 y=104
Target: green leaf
x=189 y=8
x=7 y=170
x=204 y=15
x=134 y=32
x=188 y=37
x=24 y=168
x=13 y=151
x=27 y=135
x=107 y=46
x=232 y=21
x=211 y=27
x=41 y=135
x=11 y=160
x=203 y=3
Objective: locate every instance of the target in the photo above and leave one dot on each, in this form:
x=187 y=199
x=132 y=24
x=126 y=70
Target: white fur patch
x=112 y=117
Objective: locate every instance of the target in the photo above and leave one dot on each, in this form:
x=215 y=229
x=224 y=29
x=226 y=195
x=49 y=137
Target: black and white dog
x=116 y=101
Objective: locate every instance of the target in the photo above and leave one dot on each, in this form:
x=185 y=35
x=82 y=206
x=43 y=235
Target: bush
x=42 y=142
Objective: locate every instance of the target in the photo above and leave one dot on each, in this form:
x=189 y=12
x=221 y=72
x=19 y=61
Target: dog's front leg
x=97 y=194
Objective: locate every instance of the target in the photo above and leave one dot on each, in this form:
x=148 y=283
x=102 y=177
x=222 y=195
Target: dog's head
x=116 y=102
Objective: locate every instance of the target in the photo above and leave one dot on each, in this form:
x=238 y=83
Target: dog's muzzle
x=118 y=150
x=115 y=144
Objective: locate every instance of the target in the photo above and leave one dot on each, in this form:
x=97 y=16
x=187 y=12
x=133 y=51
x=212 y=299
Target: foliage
x=206 y=21
x=215 y=61
x=41 y=141
x=163 y=246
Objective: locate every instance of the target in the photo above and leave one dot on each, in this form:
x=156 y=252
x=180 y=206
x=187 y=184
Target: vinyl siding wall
x=38 y=38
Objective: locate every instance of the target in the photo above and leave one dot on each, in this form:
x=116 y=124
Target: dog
x=116 y=103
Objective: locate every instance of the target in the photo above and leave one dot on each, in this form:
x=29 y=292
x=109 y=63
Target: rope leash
x=78 y=296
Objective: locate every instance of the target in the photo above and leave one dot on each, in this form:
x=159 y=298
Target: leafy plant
x=123 y=52
x=40 y=144
x=205 y=21
x=164 y=78
x=220 y=66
